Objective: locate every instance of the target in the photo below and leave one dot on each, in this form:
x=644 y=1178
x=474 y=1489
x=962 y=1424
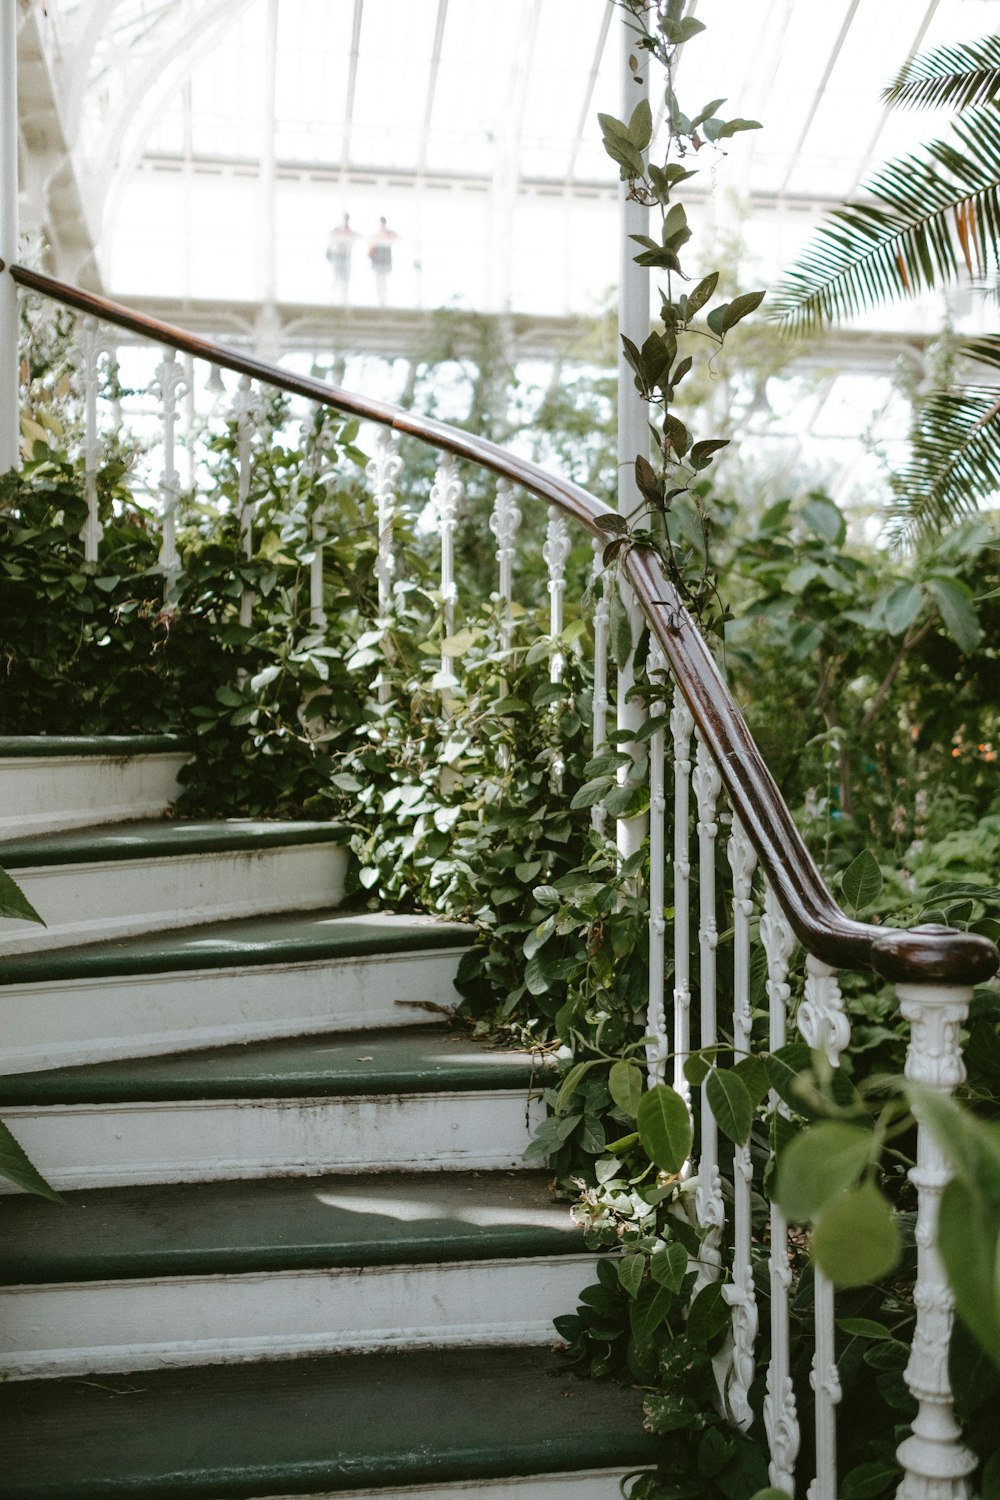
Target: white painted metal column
x=633 y=413
x=9 y=407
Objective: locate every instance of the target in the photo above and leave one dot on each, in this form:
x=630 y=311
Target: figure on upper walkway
x=380 y=255
x=338 y=253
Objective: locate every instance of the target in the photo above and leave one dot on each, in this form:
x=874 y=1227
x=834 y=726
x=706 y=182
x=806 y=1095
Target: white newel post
x=10 y=445
x=935 y=1461
x=633 y=414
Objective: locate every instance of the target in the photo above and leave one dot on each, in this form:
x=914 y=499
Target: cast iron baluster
x=936 y=1463
x=602 y=612
x=656 y=1020
x=823 y=1024
x=681 y=729
x=780 y=1417
x=446 y=492
x=707 y=784
x=89 y=345
x=168 y=385
x=247 y=408
x=740 y=1293
x=383 y=470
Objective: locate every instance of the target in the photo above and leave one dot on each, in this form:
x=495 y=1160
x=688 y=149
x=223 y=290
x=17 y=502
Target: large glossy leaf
x=821 y=1162
x=862 y=881
x=665 y=1127
x=856 y=1238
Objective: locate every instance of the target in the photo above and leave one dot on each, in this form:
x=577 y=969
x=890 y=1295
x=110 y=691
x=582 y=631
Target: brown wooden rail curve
x=928 y=954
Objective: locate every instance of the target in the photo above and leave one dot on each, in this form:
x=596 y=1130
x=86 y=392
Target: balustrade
x=722 y=808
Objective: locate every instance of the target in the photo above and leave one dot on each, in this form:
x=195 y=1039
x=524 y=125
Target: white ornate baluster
x=383 y=470
x=780 y=1417
x=555 y=552
x=740 y=1294
x=317 y=614
x=935 y=1462
x=707 y=784
x=681 y=729
x=602 y=612
x=823 y=1024
x=656 y=1020
x=504 y=523
x=446 y=492
x=89 y=345
x=246 y=409
x=168 y=385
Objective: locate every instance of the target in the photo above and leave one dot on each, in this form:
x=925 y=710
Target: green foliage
x=933 y=219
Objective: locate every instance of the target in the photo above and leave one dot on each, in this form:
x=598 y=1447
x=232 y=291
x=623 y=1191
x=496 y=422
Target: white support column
x=935 y=1462
x=88 y=349
x=707 y=784
x=10 y=441
x=681 y=730
x=658 y=1048
x=633 y=414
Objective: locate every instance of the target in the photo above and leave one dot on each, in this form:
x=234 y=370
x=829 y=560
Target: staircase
x=299 y=1253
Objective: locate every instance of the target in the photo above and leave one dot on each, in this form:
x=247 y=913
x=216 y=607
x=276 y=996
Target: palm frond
x=954 y=461
x=953 y=77
x=935 y=214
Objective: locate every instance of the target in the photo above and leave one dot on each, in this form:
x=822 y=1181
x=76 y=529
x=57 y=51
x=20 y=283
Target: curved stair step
x=224 y=982
x=339 y=1425
x=68 y=781
x=422 y=1098
x=125 y=1279
x=127 y=878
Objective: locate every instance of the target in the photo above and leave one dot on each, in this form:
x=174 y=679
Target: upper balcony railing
x=721 y=789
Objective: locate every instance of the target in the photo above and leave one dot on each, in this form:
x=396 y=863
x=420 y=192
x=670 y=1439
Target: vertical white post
x=936 y=1464
x=10 y=442
x=600 y=708
x=707 y=784
x=633 y=414
x=383 y=470
x=446 y=492
x=245 y=410
x=168 y=386
x=780 y=1416
x=656 y=1019
x=823 y=1023
x=681 y=729
x=740 y=1293
x=555 y=553
x=504 y=522
x=88 y=345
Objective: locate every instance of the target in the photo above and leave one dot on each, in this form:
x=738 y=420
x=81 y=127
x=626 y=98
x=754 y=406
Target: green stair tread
x=309 y=1426
x=285 y=937
x=282 y=1224
x=152 y=838
x=403 y=1060
x=112 y=746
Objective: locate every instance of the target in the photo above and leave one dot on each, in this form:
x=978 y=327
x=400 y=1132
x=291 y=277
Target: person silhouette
x=338 y=253
x=380 y=255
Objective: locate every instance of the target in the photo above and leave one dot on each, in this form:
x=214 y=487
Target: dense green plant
x=934 y=217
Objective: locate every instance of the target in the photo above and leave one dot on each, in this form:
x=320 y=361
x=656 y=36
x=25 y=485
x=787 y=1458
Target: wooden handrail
x=929 y=954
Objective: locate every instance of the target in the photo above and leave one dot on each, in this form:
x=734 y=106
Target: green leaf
x=824 y=1160
x=625 y=1086
x=730 y=1103
x=649 y=1309
x=664 y=1127
x=640 y=126
x=572 y=1081
x=697 y=1067
x=620 y=631
x=861 y=883
x=709 y=1314
x=870 y=1479
x=856 y=1238
x=630 y=1271
x=864 y=1328
x=669 y=1266
x=14 y=903
x=701 y=453
x=754 y=1075
x=702 y=293
x=902 y=606
x=740 y=307
x=958 y=611
x=825 y=519
x=16 y=1167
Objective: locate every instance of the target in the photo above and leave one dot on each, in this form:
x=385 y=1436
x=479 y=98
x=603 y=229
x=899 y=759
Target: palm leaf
x=949 y=77
x=935 y=214
x=954 y=460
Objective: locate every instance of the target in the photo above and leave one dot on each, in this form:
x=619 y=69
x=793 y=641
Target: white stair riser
x=594 y=1484
x=67 y=1329
x=82 y=1021
x=118 y=1145
x=91 y=902
x=64 y=791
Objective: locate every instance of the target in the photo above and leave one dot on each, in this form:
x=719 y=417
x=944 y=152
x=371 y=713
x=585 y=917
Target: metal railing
x=718 y=778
